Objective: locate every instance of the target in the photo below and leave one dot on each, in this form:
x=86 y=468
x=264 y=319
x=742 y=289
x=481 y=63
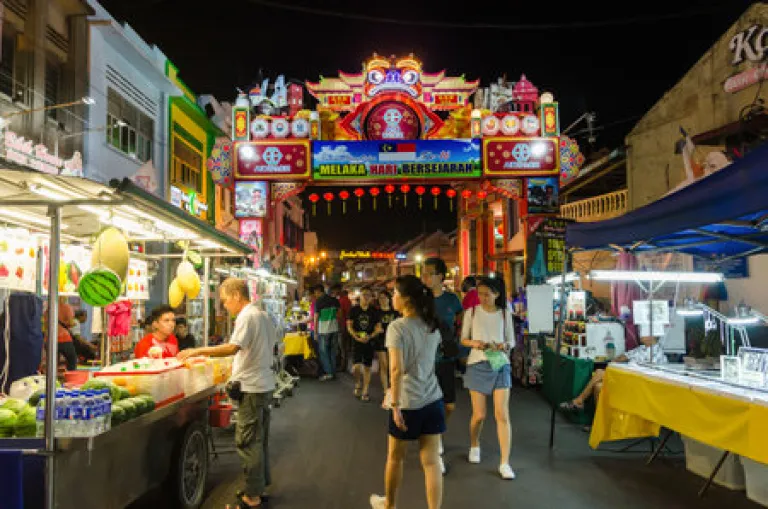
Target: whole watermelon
x=26 y=423
x=7 y=422
x=14 y=405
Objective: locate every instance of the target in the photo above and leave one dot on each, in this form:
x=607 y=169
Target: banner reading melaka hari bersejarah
x=417 y=159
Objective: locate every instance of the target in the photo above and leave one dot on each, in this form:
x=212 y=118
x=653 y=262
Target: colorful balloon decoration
x=571 y=159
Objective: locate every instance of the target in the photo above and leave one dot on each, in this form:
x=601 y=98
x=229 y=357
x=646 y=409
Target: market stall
x=717 y=219
x=159 y=433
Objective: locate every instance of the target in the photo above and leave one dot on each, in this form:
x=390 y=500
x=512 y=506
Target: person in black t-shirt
x=186 y=340
x=364 y=325
x=388 y=315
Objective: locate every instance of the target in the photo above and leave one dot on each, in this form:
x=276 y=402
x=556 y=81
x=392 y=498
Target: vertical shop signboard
x=550 y=120
x=252 y=234
x=544 y=248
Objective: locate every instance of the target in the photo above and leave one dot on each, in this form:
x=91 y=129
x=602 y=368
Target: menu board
x=544 y=248
x=18 y=257
x=75 y=261
x=137 y=282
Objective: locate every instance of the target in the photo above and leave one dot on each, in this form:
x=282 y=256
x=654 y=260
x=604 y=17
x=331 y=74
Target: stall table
x=573 y=374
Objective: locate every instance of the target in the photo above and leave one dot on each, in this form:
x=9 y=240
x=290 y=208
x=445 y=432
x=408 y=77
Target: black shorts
x=446 y=377
x=362 y=353
x=429 y=420
x=378 y=344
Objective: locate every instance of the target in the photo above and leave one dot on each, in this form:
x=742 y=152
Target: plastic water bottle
x=89 y=417
x=40 y=417
x=76 y=414
x=107 y=412
x=99 y=411
x=60 y=414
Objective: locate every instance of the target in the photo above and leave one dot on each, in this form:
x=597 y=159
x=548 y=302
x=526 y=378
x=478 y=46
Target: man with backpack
x=448 y=308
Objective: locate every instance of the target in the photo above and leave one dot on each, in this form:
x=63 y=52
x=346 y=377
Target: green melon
x=150 y=401
x=118 y=415
x=7 y=422
x=129 y=407
x=14 y=405
x=26 y=423
x=99 y=287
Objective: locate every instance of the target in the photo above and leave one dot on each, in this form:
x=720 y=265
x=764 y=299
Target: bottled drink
x=107 y=413
x=99 y=411
x=76 y=414
x=40 y=417
x=89 y=410
x=60 y=414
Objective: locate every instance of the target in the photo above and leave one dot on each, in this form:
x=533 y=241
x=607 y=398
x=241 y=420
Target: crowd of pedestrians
x=421 y=337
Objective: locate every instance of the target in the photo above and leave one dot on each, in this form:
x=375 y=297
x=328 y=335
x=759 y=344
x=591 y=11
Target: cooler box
x=757 y=480
x=701 y=459
x=198 y=376
x=162 y=379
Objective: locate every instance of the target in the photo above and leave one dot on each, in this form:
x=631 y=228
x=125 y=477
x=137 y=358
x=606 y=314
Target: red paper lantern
x=374 y=192
x=405 y=189
x=435 y=192
x=359 y=192
x=420 y=190
x=451 y=194
x=314 y=198
x=344 y=195
x=466 y=194
x=389 y=188
x=329 y=198
x=482 y=194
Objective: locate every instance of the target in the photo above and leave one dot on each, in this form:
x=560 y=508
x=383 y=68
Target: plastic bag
x=497 y=359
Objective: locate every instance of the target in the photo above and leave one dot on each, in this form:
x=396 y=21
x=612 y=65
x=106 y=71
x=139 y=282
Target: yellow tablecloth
x=635 y=402
x=297 y=344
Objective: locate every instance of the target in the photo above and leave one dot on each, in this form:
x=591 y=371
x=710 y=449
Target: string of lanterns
x=405 y=189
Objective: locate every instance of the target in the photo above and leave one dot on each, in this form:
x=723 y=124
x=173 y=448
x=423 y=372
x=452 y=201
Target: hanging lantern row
x=359 y=193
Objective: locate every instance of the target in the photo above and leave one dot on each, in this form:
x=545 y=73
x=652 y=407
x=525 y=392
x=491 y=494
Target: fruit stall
x=147 y=419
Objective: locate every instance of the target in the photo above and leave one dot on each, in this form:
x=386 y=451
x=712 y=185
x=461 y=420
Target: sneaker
x=474 y=455
x=506 y=472
x=441 y=451
x=378 y=502
x=325 y=378
x=444 y=466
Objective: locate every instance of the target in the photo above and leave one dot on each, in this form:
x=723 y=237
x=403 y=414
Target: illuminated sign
x=376 y=255
x=442 y=100
x=521 y=157
x=272 y=159
x=550 y=120
x=240 y=123
x=418 y=159
x=23 y=151
x=339 y=101
x=188 y=201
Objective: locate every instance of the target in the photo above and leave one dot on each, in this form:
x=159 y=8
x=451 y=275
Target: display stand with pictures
x=540 y=316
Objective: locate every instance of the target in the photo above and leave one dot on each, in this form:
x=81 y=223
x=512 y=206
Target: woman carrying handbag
x=489 y=331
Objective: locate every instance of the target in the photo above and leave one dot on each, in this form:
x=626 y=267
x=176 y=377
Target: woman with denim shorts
x=417 y=410
x=489 y=330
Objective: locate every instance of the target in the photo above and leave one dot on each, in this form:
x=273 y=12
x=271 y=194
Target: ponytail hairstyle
x=498 y=287
x=420 y=298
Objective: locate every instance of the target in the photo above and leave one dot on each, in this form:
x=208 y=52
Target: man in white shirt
x=252 y=343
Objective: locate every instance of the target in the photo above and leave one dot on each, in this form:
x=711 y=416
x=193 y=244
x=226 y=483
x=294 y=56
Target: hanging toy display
x=101 y=285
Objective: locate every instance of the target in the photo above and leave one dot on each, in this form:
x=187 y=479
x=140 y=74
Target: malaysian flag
x=397 y=152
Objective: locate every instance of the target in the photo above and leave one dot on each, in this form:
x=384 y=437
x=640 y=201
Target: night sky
x=616 y=60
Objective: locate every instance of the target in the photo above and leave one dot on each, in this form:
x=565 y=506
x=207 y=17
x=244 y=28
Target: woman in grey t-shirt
x=417 y=410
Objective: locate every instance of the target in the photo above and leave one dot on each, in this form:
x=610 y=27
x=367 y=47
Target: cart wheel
x=191 y=467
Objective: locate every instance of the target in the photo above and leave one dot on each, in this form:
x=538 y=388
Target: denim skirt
x=481 y=377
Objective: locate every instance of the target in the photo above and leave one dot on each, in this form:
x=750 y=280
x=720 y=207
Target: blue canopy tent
x=722 y=216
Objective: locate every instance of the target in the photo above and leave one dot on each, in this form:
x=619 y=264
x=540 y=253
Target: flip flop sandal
x=240 y=493
x=358 y=392
x=242 y=504
x=365 y=397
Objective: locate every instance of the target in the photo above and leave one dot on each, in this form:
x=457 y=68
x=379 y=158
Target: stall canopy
x=724 y=215
x=86 y=206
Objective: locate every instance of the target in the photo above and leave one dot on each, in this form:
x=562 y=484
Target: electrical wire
x=484 y=26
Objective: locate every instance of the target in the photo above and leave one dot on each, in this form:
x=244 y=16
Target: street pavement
x=328 y=451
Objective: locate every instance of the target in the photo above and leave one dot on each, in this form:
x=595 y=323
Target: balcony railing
x=598 y=208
